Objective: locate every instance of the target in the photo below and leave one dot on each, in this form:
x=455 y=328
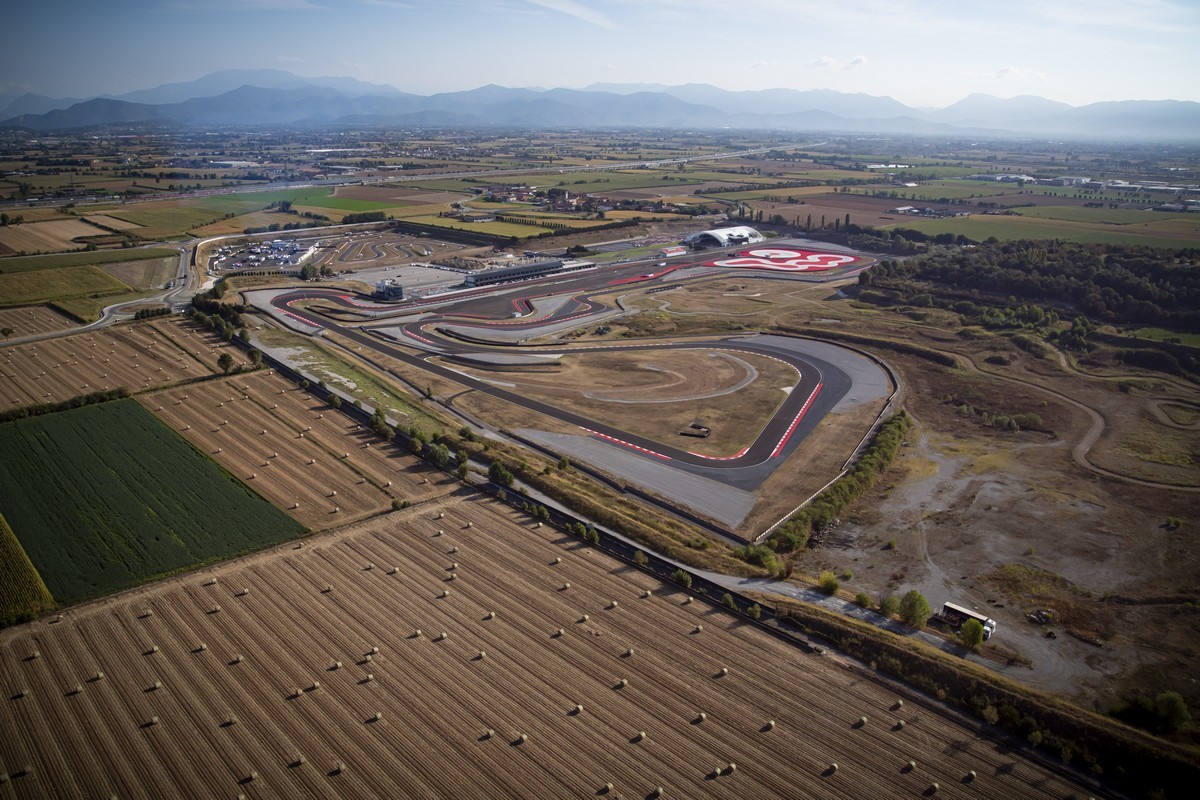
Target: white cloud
x=857 y=62
x=762 y=63
x=824 y=62
x=577 y=10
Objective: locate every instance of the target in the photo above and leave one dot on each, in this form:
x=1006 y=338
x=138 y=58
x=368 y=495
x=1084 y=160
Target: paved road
x=819 y=387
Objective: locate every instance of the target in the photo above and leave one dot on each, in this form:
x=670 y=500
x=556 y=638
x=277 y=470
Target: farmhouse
x=724 y=237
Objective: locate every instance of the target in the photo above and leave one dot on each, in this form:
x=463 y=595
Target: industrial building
x=724 y=237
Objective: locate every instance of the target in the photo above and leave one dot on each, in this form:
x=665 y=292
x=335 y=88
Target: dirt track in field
x=138 y=356
x=293 y=449
x=221 y=720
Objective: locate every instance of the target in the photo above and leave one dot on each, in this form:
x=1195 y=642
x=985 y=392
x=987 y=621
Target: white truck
x=956 y=615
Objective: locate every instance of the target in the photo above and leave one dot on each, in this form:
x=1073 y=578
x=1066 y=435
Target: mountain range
x=278 y=98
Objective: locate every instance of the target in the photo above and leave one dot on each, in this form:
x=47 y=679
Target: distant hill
x=271 y=97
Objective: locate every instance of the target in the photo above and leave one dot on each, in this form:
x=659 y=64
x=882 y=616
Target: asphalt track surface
x=820 y=385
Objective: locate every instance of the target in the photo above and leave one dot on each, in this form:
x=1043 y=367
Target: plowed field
x=214 y=693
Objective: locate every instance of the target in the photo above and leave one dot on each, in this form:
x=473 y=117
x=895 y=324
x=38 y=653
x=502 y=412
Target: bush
x=640 y=558
x=863 y=599
x=760 y=555
x=888 y=605
x=829 y=582
x=755 y=611
x=682 y=577
x=729 y=602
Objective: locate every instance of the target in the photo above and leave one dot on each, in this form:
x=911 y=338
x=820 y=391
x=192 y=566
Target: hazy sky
x=921 y=52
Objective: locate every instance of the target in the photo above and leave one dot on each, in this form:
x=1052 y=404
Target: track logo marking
x=784 y=260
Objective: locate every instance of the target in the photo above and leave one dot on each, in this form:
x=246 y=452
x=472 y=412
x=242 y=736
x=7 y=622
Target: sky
x=925 y=53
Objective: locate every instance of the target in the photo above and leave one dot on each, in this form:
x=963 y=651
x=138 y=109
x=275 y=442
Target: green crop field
x=30 y=263
x=23 y=595
x=106 y=497
x=1112 y=216
x=43 y=286
x=979 y=227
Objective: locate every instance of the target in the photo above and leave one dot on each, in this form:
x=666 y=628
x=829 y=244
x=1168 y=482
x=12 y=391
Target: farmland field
x=104 y=498
x=58 y=234
x=32 y=263
x=193 y=719
x=979 y=227
x=33 y=288
x=296 y=451
x=23 y=595
x=30 y=320
x=138 y=356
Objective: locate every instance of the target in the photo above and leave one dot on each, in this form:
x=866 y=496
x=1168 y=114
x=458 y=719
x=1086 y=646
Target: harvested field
x=351 y=470
x=54 y=235
x=137 y=356
x=103 y=498
x=192 y=718
x=31 y=320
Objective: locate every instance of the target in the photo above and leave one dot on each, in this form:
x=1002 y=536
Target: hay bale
x=641 y=735
x=701 y=717
x=647 y=594
x=491 y=615
x=612 y=604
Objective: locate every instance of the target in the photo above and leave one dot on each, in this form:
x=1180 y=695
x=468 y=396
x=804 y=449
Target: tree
x=439 y=455
x=914 y=609
x=640 y=558
x=971 y=634
x=1172 y=711
x=888 y=605
x=682 y=577
x=256 y=357
x=6 y=332
x=308 y=272
x=225 y=362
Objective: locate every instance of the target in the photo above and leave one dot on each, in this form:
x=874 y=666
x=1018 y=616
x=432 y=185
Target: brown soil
x=218 y=725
